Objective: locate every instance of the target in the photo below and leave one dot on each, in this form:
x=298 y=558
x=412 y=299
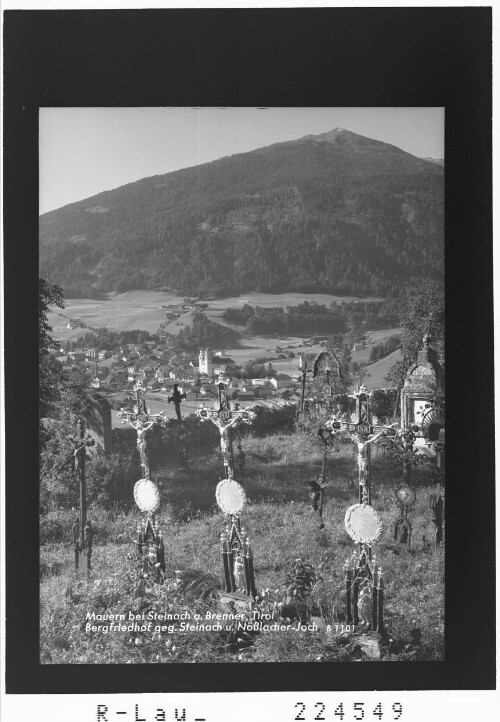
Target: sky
x=84 y=151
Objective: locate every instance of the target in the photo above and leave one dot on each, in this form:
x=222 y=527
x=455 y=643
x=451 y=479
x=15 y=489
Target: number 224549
x=344 y=713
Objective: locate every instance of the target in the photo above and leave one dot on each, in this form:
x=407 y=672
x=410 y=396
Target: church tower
x=205 y=363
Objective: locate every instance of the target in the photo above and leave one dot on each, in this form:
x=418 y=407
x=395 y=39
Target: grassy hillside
x=282 y=527
x=376 y=373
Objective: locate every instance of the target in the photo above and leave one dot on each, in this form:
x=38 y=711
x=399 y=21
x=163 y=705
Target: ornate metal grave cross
x=141 y=420
x=363 y=433
x=326 y=366
x=82 y=529
x=236 y=551
x=225 y=417
x=150 y=543
x=364 y=583
x=176 y=399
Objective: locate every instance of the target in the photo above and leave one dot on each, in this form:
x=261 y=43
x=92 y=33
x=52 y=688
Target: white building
x=205 y=362
x=280 y=384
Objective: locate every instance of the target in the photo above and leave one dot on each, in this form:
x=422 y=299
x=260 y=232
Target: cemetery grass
x=282 y=527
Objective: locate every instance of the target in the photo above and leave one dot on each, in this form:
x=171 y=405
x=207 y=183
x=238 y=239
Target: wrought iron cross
x=225 y=417
x=363 y=434
x=176 y=398
x=141 y=420
x=304 y=369
x=82 y=530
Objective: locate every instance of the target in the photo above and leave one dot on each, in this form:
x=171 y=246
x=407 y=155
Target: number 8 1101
x=359 y=711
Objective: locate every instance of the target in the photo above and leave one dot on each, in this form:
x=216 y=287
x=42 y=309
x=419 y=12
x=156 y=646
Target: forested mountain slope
x=336 y=213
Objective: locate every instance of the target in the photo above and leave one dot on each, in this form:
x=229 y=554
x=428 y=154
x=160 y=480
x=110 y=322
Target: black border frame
x=266 y=57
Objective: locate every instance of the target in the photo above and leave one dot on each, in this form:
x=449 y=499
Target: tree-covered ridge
x=335 y=213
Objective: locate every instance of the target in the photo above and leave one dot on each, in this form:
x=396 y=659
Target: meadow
x=146 y=310
x=282 y=527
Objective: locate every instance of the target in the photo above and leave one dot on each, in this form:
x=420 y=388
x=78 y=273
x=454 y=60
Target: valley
x=145 y=310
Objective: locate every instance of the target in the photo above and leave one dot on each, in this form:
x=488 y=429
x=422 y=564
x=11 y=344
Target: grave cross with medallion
x=235 y=548
x=225 y=417
x=146 y=494
x=363 y=433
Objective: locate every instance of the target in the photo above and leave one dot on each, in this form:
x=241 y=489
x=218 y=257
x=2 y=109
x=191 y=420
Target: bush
x=52 y=530
x=279 y=418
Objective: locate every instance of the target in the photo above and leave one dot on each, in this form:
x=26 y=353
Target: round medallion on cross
x=363 y=524
x=230 y=496
x=146 y=495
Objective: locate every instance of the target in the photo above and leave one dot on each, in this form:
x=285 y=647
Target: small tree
x=49 y=368
x=300 y=582
x=423 y=314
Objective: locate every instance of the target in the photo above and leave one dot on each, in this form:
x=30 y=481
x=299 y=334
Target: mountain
x=335 y=212
x=439 y=161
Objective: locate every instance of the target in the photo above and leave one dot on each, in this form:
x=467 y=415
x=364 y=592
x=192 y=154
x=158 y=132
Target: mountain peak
x=347 y=140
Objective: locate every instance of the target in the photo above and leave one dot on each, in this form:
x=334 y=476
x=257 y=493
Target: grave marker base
x=235 y=602
x=151 y=548
x=82 y=562
x=237 y=560
x=365 y=593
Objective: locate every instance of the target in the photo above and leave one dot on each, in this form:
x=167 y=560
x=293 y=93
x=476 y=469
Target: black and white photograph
x=242 y=385
x=240 y=246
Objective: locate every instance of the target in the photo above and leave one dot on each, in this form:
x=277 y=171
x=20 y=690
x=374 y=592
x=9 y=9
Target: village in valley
x=258 y=369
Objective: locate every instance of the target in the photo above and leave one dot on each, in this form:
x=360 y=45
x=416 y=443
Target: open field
x=376 y=373
x=134 y=309
x=372 y=338
x=283 y=527
x=146 y=309
x=268 y=300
